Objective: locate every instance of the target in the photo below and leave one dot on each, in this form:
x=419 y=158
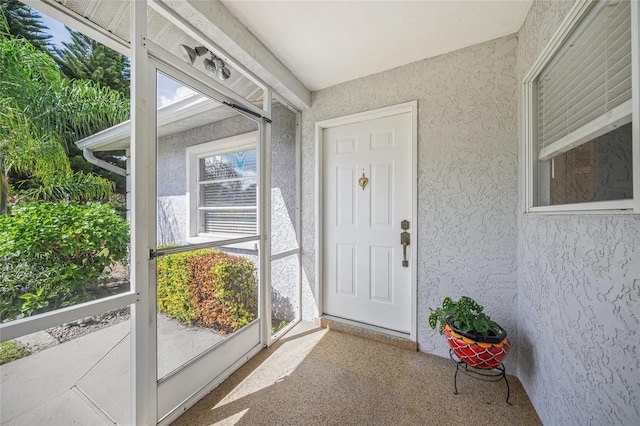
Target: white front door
x=364 y=278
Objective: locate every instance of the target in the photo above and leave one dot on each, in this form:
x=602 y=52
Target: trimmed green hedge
x=208 y=288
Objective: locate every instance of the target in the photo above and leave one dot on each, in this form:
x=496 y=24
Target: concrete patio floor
x=311 y=376
x=325 y=377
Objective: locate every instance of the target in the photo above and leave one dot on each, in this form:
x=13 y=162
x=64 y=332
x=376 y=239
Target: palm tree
x=41 y=114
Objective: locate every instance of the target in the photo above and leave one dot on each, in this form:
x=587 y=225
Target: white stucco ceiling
x=328 y=42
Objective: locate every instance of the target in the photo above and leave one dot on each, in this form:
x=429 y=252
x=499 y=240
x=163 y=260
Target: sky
x=56 y=29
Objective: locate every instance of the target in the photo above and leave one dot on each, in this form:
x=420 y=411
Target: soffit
x=325 y=43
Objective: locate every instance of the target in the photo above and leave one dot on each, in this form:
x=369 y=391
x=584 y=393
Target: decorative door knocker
x=363 y=181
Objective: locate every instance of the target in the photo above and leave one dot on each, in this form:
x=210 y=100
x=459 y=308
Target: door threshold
x=368 y=331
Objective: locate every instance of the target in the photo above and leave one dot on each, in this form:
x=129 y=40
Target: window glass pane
x=230 y=193
x=228 y=166
x=599 y=170
x=583 y=108
x=230 y=221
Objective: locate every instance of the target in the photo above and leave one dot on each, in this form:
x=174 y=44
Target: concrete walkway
x=86 y=381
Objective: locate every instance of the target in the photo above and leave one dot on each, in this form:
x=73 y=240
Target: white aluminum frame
x=143 y=223
x=320 y=126
x=20 y=327
x=529 y=110
x=203 y=82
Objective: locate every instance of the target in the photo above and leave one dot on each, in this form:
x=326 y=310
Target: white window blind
x=586 y=87
x=227 y=187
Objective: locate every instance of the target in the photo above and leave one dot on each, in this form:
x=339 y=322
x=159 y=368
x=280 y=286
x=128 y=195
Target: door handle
x=405 y=240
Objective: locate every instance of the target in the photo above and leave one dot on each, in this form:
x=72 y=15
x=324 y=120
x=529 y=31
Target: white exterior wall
x=467 y=177
x=578 y=294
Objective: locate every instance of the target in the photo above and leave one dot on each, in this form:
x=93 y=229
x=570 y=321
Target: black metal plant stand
x=485 y=375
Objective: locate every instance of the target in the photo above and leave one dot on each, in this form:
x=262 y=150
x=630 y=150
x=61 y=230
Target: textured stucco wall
x=467 y=176
x=284 y=272
x=578 y=295
x=283 y=180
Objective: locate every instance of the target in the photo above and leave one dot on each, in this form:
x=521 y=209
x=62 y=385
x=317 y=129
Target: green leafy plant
x=52 y=254
x=467 y=317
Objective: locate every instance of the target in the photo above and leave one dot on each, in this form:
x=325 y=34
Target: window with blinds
x=583 y=110
x=227 y=193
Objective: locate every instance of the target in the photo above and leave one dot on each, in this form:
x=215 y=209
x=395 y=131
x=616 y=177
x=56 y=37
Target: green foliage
x=24 y=22
x=467 y=316
x=173 y=287
x=42 y=115
x=234 y=282
x=73 y=109
x=85 y=59
x=78 y=186
x=280 y=326
x=52 y=254
x=10 y=351
x=208 y=288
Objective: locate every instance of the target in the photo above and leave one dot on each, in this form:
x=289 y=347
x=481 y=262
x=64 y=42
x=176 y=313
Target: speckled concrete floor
x=325 y=377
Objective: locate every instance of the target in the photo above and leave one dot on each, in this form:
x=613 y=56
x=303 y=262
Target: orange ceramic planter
x=478 y=354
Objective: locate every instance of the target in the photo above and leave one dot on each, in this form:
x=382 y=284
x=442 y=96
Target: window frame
x=194 y=153
x=529 y=133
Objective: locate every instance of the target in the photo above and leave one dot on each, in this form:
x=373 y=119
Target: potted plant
x=473 y=336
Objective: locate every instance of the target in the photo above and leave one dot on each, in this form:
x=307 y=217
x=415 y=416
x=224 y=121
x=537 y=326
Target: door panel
x=382 y=195
x=382 y=274
x=346 y=269
x=365 y=280
x=346 y=197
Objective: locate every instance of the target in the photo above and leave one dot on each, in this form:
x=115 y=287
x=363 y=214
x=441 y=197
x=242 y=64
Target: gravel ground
x=72 y=330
